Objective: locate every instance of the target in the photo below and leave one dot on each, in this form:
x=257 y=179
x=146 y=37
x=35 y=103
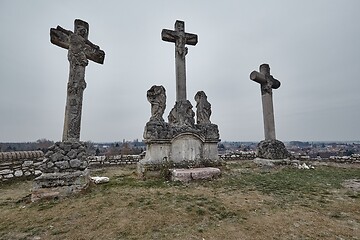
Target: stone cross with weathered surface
x=267 y=83
x=180 y=38
x=80 y=50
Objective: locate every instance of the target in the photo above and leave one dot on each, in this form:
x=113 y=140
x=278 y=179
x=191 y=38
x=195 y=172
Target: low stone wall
x=19 y=164
x=238 y=156
x=99 y=161
x=354 y=158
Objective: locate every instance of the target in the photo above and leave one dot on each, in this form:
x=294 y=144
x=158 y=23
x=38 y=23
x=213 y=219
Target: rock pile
x=272 y=149
x=64 y=171
x=65 y=157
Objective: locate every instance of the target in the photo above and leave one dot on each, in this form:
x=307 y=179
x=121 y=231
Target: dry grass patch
x=247 y=202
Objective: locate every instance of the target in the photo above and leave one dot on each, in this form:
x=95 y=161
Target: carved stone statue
x=270 y=148
x=180 y=44
x=65 y=165
x=182 y=115
x=80 y=51
x=157 y=97
x=179 y=143
x=180 y=38
x=203 y=108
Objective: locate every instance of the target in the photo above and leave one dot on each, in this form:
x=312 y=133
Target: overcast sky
x=312 y=46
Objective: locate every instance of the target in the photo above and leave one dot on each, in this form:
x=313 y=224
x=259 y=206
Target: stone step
x=187 y=175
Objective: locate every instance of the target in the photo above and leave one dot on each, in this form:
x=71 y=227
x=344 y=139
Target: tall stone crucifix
x=80 y=50
x=267 y=83
x=180 y=38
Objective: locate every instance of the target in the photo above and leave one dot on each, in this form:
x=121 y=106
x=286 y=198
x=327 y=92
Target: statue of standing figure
x=203 y=108
x=157 y=97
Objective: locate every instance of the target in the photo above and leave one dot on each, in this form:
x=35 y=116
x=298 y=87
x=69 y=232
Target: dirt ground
x=246 y=202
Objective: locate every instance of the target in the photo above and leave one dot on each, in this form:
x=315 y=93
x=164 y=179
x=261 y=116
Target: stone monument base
x=64 y=171
x=187 y=175
x=272 y=149
x=186 y=150
x=180 y=143
x=58 y=185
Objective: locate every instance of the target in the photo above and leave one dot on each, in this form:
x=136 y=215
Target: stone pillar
x=64 y=171
x=180 y=38
x=268 y=116
x=269 y=148
x=180 y=77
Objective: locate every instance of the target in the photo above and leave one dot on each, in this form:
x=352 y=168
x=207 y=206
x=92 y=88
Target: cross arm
x=191 y=39
x=261 y=79
x=60 y=37
x=94 y=53
x=170 y=36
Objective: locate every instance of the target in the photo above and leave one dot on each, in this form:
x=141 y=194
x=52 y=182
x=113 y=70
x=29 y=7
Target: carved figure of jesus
x=80 y=50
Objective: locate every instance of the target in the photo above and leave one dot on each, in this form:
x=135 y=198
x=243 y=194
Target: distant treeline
x=41 y=144
x=114 y=148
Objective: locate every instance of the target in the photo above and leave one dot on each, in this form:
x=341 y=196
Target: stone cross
x=180 y=38
x=80 y=50
x=267 y=83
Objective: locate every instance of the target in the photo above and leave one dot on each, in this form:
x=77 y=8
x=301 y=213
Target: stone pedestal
x=187 y=175
x=272 y=149
x=180 y=143
x=64 y=171
x=183 y=148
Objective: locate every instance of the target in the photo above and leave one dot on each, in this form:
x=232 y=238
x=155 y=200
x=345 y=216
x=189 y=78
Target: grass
x=247 y=202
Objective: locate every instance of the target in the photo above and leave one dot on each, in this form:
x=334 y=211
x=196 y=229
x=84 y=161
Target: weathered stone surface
x=272 y=149
x=180 y=142
x=62 y=174
x=72 y=154
x=49 y=152
x=18 y=173
x=57 y=156
x=62 y=164
x=19 y=164
x=180 y=38
x=267 y=83
x=80 y=49
x=210 y=131
x=66 y=146
x=76 y=145
x=61 y=179
x=75 y=163
x=181 y=120
x=50 y=164
x=58 y=185
x=156 y=95
x=70 y=162
x=264 y=162
x=203 y=108
x=20 y=155
x=182 y=115
x=6 y=171
x=186 y=147
x=27 y=163
x=186 y=175
x=80 y=155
